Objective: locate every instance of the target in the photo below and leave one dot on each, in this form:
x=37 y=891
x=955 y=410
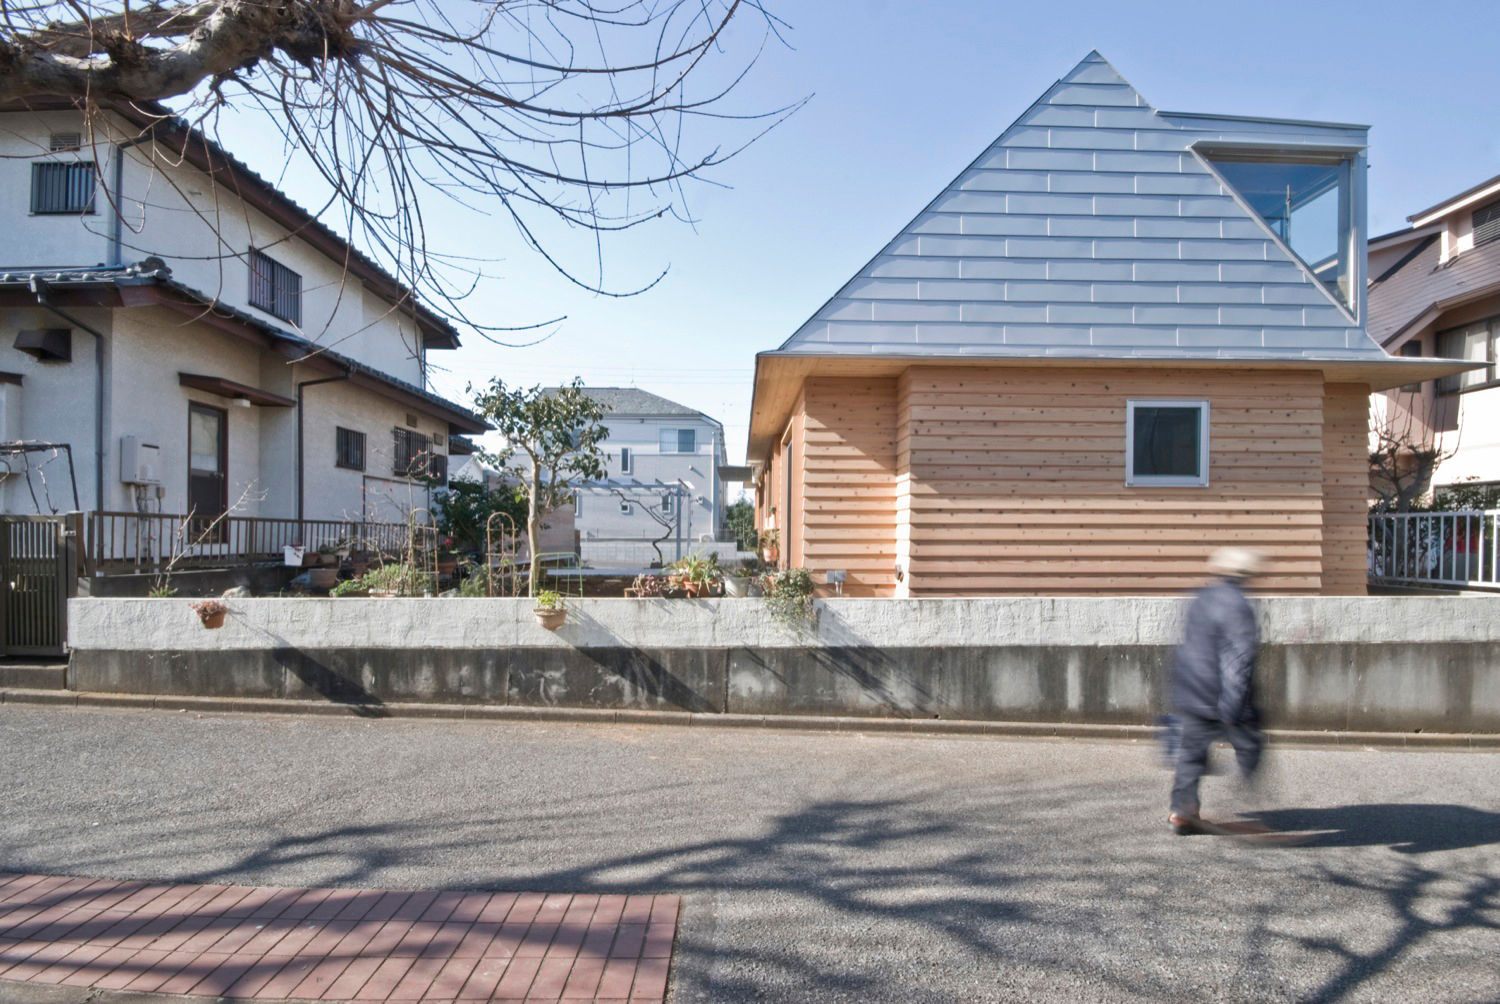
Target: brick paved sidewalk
x=266 y=943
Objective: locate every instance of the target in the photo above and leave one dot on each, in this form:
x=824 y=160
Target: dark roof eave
x=130 y=289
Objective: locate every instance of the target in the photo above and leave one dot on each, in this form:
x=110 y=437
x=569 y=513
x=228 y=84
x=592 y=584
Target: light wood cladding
x=1018 y=481
x=1346 y=465
x=991 y=480
x=849 y=482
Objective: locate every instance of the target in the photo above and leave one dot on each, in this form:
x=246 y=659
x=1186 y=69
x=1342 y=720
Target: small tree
x=740 y=518
x=1405 y=450
x=465 y=507
x=552 y=437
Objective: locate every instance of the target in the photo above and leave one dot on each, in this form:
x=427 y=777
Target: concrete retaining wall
x=1363 y=663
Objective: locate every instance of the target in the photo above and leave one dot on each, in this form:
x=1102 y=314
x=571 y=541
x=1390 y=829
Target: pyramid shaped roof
x=1091 y=229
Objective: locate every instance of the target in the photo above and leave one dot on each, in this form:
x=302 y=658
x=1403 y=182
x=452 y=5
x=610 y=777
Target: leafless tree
x=1405 y=448
x=570 y=110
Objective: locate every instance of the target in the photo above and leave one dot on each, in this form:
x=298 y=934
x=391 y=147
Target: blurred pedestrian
x=1212 y=687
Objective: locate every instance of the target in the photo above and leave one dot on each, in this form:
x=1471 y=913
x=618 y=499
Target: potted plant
x=697 y=575
x=788 y=595
x=550 y=610
x=648 y=586
x=770 y=545
x=737 y=583
x=395 y=579
x=211 y=612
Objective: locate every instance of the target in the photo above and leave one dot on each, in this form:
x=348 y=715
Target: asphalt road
x=815 y=866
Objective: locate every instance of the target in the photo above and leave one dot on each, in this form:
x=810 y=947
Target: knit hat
x=1238 y=562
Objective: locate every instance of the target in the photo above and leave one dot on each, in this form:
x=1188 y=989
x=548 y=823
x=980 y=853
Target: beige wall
x=849 y=483
x=1011 y=480
x=1346 y=480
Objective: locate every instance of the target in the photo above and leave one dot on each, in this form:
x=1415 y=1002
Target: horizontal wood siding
x=1346 y=465
x=1018 y=481
x=903 y=484
x=849 y=482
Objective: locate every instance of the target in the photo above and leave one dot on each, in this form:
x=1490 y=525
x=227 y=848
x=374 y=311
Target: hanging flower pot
x=211 y=613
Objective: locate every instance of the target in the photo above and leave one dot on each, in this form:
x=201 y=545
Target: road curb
x=809 y=723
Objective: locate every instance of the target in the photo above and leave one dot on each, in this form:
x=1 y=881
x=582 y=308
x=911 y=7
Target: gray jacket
x=1212 y=669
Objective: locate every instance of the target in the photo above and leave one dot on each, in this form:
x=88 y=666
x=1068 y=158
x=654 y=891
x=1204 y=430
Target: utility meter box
x=140 y=462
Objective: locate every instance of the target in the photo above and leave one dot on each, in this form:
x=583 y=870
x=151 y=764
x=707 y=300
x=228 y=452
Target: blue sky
x=903 y=96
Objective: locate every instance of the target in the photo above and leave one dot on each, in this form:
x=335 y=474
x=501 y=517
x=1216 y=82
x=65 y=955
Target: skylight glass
x=1306 y=203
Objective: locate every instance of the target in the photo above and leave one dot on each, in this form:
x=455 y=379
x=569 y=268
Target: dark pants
x=1198 y=734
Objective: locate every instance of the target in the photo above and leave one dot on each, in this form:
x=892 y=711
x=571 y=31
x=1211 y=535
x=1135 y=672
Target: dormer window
x=1306 y=201
x=1487 y=224
x=275 y=288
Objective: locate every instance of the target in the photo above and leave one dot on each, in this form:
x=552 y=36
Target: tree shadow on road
x=1408 y=828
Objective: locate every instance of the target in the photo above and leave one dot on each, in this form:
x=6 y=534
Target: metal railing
x=134 y=541
x=1436 y=548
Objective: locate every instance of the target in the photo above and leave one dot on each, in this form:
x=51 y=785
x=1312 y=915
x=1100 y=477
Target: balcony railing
x=135 y=542
x=1459 y=549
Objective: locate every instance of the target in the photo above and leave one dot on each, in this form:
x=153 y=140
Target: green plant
x=399 y=577
x=553 y=436
x=1467 y=494
x=740 y=519
x=473 y=583
x=162 y=591
x=788 y=596
x=464 y=509
x=699 y=569
x=549 y=599
x=770 y=539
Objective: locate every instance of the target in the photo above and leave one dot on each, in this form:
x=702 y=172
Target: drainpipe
x=117 y=225
x=39 y=290
x=308 y=383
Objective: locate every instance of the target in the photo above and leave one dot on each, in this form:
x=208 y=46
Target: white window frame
x=577 y=504
x=626 y=509
x=1133 y=480
x=677 y=441
x=626 y=460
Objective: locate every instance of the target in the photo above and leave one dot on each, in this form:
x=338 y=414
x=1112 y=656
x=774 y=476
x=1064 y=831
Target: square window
x=1166 y=443
x=679 y=440
x=275 y=288
x=350 y=448
x=1475 y=343
x=626 y=508
x=62 y=188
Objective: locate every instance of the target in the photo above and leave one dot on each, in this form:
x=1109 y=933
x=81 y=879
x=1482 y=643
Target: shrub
x=788 y=596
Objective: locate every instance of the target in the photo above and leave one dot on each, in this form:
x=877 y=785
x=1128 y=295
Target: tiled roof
x=146 y=113
x=152 y=271
x=1405 y=293
x=634 y=401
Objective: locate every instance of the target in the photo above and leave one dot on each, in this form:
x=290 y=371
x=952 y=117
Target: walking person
x=1212 y=683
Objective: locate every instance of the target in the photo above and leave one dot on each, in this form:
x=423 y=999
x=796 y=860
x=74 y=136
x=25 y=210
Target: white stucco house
x=662 y=479
x=1435 y=291
x=211 y=345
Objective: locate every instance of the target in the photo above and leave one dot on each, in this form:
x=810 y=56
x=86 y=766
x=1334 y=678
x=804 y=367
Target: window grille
x=275 y=288
x=350 y=449
x=62 y=188
x=413 y=458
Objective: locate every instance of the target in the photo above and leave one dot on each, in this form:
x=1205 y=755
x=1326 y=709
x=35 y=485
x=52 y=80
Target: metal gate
x=38 y=572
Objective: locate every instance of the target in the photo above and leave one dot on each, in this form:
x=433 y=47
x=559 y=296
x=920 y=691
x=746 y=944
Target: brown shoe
x=1183 y=825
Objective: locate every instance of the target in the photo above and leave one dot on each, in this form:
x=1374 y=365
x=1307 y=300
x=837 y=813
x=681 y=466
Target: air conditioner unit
x=140 y=463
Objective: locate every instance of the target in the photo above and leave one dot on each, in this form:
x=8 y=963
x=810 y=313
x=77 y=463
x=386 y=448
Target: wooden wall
x=848 y=474
x=1018 y=481
x=1346 y=487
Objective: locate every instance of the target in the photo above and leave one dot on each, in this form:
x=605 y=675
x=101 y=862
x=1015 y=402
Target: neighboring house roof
x=1072 y=236
x=1417 y=289
x=636 y=402
x=208 y=156
x=151 y=273
x=1483 y=190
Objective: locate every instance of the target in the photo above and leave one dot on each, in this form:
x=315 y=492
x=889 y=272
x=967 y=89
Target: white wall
x=55 y=403
x=201 y=231
x=333 y=492
x=601 y=513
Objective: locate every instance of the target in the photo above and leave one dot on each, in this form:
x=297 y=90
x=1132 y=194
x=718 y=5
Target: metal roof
x=1420 y=286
